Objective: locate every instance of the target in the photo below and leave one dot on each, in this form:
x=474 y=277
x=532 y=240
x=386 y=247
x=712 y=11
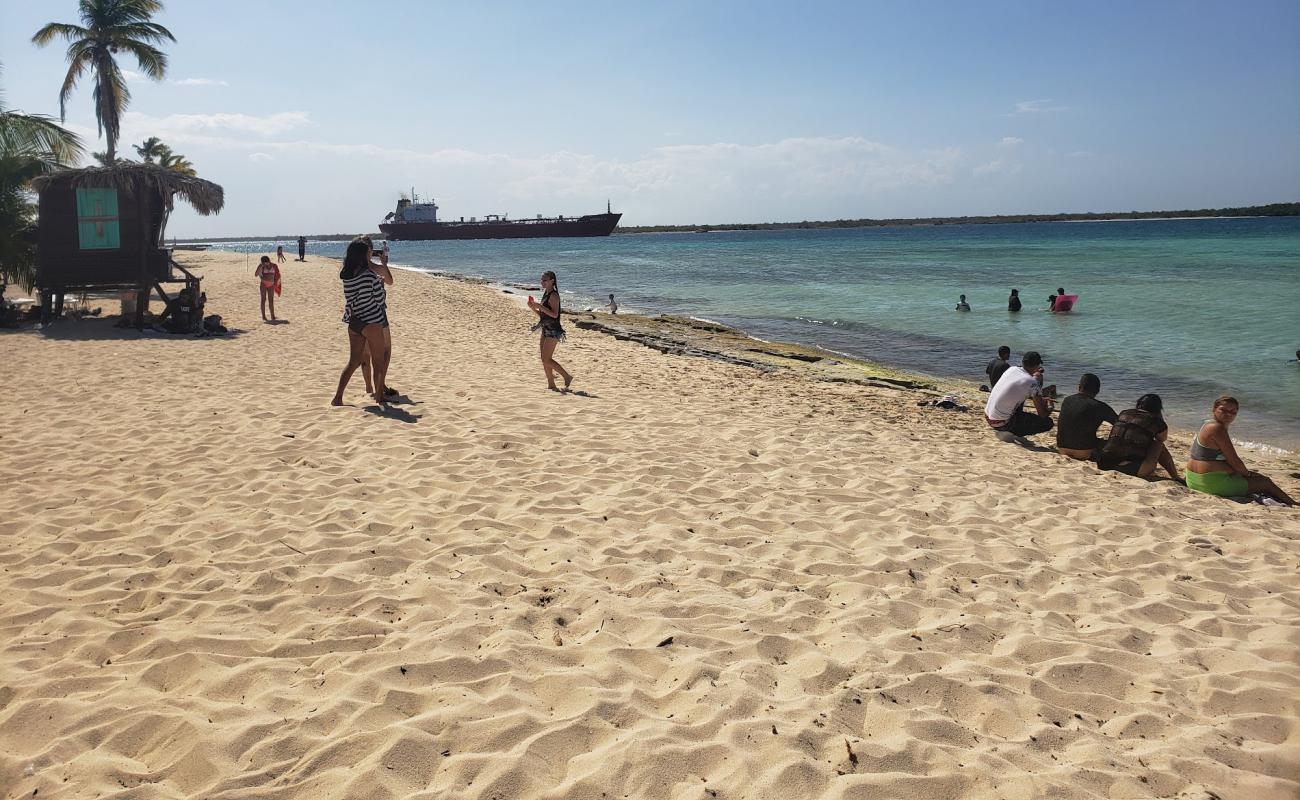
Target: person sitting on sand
x=1137 y=441
x=367 y=309
x=613 y=305
x=1214 y=466
x=1013 y=302
x=1004 y=410
x=1081 y=415
x=998 y=366
x=552 y=331
x=962 y=305
x=269 y=274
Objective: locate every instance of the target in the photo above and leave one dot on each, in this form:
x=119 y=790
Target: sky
x=314 y=115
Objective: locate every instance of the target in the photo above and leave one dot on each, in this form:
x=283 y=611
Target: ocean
x=1188 y=308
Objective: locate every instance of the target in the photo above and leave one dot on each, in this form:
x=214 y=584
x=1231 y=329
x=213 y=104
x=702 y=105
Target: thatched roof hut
x=104 y=227
x=133 y=178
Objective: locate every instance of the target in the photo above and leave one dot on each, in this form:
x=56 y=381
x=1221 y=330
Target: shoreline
x=692 y=336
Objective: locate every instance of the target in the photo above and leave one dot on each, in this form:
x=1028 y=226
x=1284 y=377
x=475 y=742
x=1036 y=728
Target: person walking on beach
x=1013 y=302
x=998 y=366
x=302 y=248
x=548 y=312
x=279 y=254
x=1214 y=467
x=367 y=310
x=269 y=274
x=962 y=305
x=1004 y=410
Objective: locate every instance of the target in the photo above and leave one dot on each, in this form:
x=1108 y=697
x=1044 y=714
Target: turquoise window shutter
x=97 y=221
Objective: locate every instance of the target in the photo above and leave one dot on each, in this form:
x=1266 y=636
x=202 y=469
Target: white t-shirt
x=1014 y=387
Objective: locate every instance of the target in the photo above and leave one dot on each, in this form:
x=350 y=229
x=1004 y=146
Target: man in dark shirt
x=302 y=248
x=998 y=366
x=1013 y=302
x=1081 y=416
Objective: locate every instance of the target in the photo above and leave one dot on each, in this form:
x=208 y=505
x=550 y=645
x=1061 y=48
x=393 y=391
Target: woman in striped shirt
x=366 y=298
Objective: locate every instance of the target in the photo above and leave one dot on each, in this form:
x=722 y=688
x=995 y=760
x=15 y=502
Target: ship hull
x=591 y=225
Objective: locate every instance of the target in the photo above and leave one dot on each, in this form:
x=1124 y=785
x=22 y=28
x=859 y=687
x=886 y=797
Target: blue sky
x=315 y=115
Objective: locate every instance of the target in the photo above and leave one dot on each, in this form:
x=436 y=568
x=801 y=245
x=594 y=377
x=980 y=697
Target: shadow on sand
x=393 y=413
x=85 y=329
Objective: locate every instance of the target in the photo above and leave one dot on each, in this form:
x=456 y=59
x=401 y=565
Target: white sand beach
x=695 y=580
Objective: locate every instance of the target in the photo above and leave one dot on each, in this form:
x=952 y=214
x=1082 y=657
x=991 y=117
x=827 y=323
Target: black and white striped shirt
x=366 y=298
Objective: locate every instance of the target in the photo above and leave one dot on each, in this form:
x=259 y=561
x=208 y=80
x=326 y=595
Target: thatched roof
x=206 y=197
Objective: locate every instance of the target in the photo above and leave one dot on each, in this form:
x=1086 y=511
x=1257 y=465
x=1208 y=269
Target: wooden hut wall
x=63 y=262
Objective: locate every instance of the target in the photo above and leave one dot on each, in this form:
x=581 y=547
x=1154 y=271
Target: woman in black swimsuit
x=367 y=308
x=548 y=311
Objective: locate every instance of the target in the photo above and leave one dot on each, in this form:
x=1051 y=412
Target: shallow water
x=1189 y=309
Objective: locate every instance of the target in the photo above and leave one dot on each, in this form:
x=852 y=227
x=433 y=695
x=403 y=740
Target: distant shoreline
x=1270 y=210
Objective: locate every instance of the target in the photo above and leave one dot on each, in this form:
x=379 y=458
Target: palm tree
x=179 y=163
x=30 y=145
x=109 y=27
x=150 y=149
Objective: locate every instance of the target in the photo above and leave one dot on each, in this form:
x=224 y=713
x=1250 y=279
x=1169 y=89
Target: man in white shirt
x=1005 y=408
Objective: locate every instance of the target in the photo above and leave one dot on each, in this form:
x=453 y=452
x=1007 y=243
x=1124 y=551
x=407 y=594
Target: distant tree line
x=1271 y=210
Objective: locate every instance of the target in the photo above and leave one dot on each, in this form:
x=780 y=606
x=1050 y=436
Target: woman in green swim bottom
x=1214 y=466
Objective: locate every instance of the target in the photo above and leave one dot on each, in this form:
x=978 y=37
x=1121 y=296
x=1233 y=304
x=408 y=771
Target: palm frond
x=56 y=29
x=152 y=61
x=142 y=32
x=37 y=133
x=76 y=68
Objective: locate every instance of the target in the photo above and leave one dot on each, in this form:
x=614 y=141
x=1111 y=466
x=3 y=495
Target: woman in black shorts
x=367 y=304
x=552 y=331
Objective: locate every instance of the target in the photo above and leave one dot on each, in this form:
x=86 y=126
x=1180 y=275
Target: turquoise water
x=1189 y=309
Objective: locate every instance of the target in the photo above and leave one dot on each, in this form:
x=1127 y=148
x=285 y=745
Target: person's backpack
x=1131 y=436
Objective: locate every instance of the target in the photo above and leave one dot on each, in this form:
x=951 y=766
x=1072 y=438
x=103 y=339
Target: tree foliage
x=30 y=145
x=109 y=27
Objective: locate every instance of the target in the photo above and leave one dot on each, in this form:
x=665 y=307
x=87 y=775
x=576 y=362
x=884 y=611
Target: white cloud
x=199 y=82
x=998 y=166
x=177 y=126
x=1038 y=107
x=260 y=157
x=797 y=167
x=132 y=76
x=1011 y=141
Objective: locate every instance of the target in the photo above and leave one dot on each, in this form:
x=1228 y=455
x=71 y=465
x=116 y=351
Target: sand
x=697 y=580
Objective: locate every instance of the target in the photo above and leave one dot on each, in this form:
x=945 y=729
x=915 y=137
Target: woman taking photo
x=367 y=306
x=548 y=312
x=1214 y=466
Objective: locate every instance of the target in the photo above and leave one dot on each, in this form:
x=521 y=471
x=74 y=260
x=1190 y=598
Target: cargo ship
x=414 y=219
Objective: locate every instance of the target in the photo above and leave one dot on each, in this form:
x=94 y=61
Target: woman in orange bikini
x=269 y=273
